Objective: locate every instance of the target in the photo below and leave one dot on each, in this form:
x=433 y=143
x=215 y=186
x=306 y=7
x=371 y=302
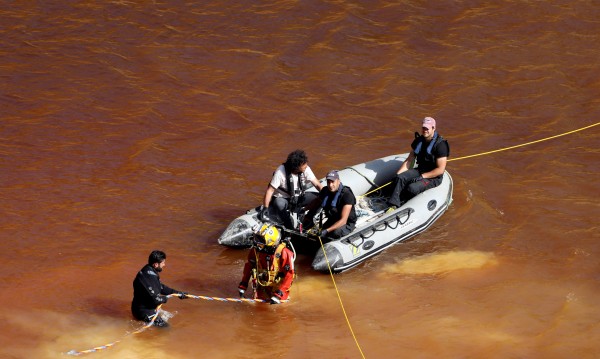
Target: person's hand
x=241 y=291
x=263 y=215
x=323 y=233
x=183 y=295
x=418 y=178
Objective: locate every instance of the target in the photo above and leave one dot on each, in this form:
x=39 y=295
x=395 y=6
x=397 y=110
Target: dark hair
x=295 y=160
x=156 y=257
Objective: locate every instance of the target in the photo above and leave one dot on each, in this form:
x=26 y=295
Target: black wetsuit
x=148 y=293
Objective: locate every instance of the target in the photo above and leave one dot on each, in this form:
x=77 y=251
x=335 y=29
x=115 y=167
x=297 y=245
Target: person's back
x=270 y=265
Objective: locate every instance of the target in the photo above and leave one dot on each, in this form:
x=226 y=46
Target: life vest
x=269 y=276
x=426 y=160
x=335 y=197
x=291 y=190
x=332 y=210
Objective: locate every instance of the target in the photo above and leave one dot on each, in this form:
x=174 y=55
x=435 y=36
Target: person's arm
x=165 y=290
x=250 y=263
x=144 y=283
x=310 y=176
x=438 y=170
x=311 y=209
x=317 y=184
x=268 y=196
x=343 y=218
x=288 y=267
x=406 y=163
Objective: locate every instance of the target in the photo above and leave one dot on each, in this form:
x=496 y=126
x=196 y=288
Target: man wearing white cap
x=431 y=151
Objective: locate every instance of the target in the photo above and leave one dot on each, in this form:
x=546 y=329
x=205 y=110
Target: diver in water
x=270 y=266
x=149 y=292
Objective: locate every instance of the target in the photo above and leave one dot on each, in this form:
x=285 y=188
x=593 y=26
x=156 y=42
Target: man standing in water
x=270 y=266
x=149 y=292
x=431 y=151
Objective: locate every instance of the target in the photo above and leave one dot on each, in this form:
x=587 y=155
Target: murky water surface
x=131 y=126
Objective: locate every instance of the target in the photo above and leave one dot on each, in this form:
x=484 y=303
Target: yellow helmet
x=270 y=235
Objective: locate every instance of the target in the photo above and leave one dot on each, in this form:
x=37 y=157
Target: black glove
x=323 y=233
x=418 y=178
x=263 y=215
x=183 y=295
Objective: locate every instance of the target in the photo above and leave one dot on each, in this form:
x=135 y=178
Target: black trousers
x=339 y=232
x=407 y=185
x=279 y=210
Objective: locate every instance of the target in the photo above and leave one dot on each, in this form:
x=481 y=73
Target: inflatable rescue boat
x=378 y=227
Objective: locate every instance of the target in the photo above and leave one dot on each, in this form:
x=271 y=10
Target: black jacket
x=146 y=290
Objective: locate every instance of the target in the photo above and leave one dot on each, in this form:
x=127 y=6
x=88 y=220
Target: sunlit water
x=130 y=127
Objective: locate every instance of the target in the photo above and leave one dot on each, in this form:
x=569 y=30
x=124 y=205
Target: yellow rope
x=110 y=345
x=525 y=144
x=454 y=159
x=151 y=322
x=499 y=150
x=340 y=299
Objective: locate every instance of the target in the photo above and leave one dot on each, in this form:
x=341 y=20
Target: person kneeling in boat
x=286 y=192
x=270 y=265
x=431 y=151
x=338 y=203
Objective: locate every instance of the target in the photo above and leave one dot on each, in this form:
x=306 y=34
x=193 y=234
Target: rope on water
x=149 y=324
x=500 y=150
x=238 y=300
x=110 y=345
x=525 y=144
x=340 y=299
x=455 y=159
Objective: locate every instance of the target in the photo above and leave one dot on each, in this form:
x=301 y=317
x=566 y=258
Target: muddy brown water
x=127 y=127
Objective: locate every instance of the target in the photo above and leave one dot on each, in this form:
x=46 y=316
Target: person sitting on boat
x=270 y=266
x=285 y=193
x=431 y=152
x=338 y=203
x=149 y=292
